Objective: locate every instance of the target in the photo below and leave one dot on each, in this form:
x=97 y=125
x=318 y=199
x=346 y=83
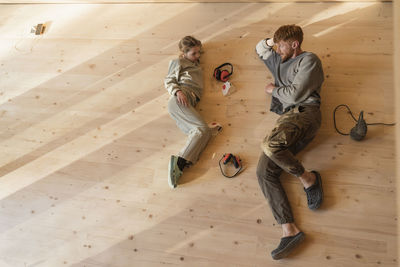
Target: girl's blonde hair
x=187 y=43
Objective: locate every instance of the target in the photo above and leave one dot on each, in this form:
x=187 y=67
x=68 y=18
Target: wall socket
x=38 y=29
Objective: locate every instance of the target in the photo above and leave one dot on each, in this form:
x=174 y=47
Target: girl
x=184 y=83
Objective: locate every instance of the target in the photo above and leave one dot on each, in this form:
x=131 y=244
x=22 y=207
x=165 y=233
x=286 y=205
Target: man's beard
x=286 y=57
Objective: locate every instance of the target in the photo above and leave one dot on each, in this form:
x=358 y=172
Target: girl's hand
x=182 y=98
x=269 y=88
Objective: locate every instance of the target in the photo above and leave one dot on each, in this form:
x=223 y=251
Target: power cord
x=361 y=125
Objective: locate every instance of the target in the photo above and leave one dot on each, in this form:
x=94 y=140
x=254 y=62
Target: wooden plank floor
x=169 y=1
x=396 y=11
x=86 y=137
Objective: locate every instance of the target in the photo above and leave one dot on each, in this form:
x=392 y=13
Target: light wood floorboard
x=86 y=137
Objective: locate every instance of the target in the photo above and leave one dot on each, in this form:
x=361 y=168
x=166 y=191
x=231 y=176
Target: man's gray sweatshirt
x=298 y=80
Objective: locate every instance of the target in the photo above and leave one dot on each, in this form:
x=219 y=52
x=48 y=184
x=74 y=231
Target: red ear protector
x=223 y=74
x=237 y=162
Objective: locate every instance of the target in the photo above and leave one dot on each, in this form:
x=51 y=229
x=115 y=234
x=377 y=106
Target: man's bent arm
x=308 y=79
x=264 y=48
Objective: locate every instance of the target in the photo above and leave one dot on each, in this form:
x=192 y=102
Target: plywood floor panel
x=86 y=137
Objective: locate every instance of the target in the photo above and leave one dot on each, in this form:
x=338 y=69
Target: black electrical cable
x=230 y=176
x=344 y=105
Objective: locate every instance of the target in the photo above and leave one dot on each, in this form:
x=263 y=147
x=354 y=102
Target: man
x=296 y=97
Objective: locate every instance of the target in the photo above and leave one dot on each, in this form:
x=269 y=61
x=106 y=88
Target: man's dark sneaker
x=286 y=245
x=315 y=194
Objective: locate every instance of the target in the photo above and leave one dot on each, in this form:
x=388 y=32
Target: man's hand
x=269 y=88
x=270 y=42
x=182 y=98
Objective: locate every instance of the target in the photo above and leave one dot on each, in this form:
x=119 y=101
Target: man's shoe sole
x=293 y=243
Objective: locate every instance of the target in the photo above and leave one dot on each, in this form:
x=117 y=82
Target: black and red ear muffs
x=223 y=74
